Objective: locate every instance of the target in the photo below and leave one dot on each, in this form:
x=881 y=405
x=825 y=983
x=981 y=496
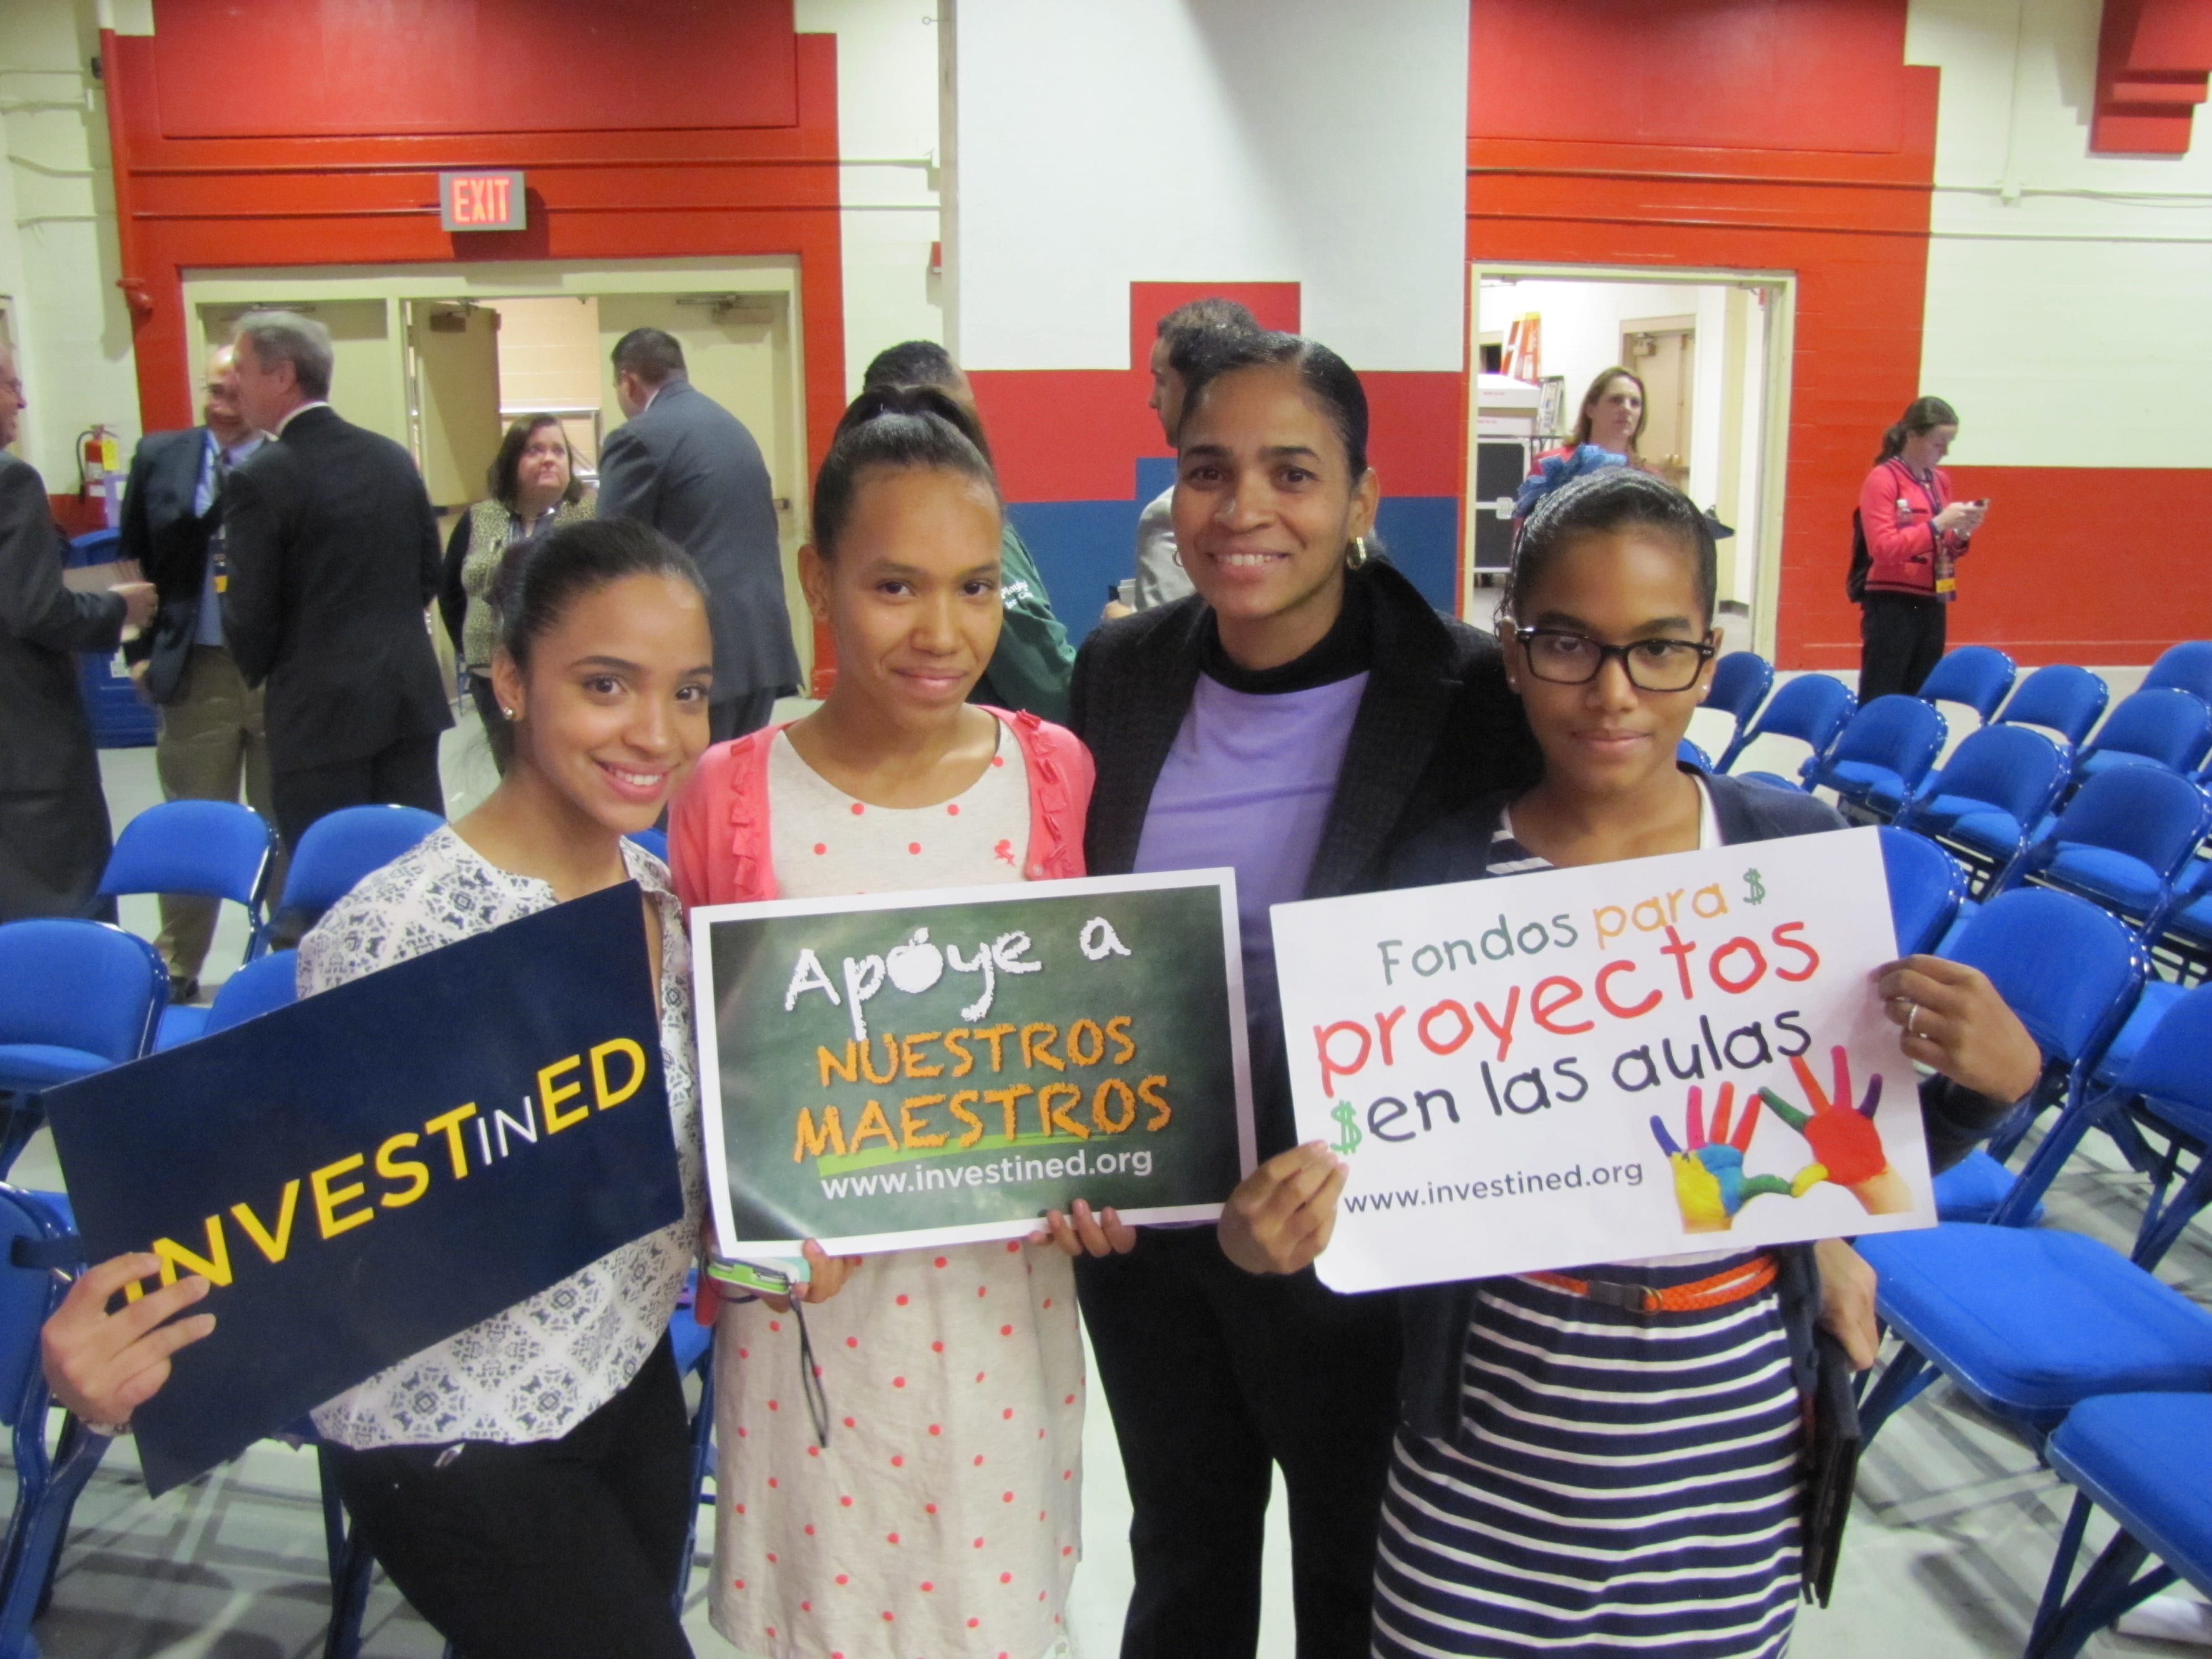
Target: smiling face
x=1615 y=413
x=1266 y=508
x=219 y=405
x=911 y=593
x=612 y=709
x=1609 y=737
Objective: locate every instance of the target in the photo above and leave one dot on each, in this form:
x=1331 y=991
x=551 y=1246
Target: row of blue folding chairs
x=2090 y=1359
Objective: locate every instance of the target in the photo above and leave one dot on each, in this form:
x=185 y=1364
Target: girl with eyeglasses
x=1570 y=1475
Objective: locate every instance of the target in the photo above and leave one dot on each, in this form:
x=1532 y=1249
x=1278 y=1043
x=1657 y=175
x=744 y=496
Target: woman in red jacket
x=1915 y=534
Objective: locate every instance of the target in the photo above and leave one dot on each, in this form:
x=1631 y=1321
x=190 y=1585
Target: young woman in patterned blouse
x=525 y=1483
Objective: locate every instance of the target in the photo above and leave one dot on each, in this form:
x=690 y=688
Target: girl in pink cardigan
x=942 y=1515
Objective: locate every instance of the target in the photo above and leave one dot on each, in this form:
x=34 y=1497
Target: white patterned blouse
x=537 y=1369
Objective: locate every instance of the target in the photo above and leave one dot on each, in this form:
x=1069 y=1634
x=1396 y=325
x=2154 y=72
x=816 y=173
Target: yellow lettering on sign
x=327 y=1199
x=402 y=1169
x=449 y=1125
x=812 y=1143
x=214 y=1266
x=603 y=1095
x=272 y=1247
x=550 y=1096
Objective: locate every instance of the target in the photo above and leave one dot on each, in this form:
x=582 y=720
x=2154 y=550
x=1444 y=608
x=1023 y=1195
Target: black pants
x=559 y=1548
x=404 y=774
x=1212 y=1375
x=1900 y=640
x=747 y=711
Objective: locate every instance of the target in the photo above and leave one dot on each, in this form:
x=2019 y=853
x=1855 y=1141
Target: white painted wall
x=58 y=254
x=887 y=125
x=1100 y=142
x=2070 y=326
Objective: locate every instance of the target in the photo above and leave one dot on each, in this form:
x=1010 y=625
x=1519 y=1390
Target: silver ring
x=1911 y=1013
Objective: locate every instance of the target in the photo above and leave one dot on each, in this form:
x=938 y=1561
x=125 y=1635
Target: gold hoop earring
x=1356 y=556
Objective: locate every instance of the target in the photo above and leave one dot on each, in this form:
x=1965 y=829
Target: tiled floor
x=1949 y=1543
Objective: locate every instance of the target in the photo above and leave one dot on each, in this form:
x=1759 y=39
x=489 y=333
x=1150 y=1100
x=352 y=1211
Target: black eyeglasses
x=1569 y=658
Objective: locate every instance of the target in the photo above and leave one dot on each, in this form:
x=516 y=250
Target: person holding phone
x=1915 y=534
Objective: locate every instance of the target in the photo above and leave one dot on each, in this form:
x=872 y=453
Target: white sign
x=1644 y=1059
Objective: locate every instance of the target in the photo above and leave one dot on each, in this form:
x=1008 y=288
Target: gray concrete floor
x=1950 y=1539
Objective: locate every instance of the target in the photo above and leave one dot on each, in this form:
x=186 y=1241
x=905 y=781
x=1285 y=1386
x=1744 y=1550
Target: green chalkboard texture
x=953 y=1066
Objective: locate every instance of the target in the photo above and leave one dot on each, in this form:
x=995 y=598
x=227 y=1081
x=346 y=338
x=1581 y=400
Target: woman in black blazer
x=1293 y=718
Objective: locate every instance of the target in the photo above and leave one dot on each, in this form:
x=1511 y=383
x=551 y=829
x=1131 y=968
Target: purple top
x=1249 y=783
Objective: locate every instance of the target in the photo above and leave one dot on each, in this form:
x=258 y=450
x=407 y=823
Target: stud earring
x=509 y=713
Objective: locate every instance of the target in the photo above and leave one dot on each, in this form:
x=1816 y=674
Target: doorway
x=1712 y=348
x=441 y=358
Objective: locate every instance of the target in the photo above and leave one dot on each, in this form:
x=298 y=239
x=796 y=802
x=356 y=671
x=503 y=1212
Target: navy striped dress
x=1618 y=1482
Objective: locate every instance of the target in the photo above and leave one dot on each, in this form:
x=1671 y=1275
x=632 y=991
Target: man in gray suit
x=54 y=836
x=687 y=467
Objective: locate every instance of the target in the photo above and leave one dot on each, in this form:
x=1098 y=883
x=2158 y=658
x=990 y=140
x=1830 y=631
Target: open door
x=738 y=349
x=452 y=375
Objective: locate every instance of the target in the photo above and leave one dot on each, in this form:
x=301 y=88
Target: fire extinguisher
x=100 y=471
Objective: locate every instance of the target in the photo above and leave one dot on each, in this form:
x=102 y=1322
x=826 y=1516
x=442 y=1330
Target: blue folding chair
x=76 y=998
x=1741 y=680
x=2165 y=728
x=38 y=1240
x=2145 y=1460
x=2070 y=971
x=2162 y=1093
x=1925 y=888
x=2059 y=698
x=2183 y=667
x=1978 y=676
x=2028 y=1322
x=1982 y=806
x=259 y=987
x=2120 y=842
x=1880 y=757
x=2181 y=938
x=654 y=841
x=1811 y=709
x=1690 y=754
x=341 y=847
x=214 y=849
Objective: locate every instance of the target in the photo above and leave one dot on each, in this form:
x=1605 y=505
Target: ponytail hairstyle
x=1613 y=498
x=1925 y=414
x=1605 y=377
x=895 y=428
x=538 y=580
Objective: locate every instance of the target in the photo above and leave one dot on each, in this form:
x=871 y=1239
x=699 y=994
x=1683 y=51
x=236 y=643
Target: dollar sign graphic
x=1757 y=889
x=1347 y=1118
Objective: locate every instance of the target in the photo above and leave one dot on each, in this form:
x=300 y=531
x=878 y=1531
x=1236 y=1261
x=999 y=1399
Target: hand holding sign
x=103 y=1367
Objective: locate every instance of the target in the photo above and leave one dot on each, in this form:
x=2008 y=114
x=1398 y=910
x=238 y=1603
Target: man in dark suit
x=211 y=739
x=687 y=467
x=53 y=818
x=333 y=552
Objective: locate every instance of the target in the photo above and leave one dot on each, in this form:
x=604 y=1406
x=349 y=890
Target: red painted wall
x=656 y=190
x=1767 y=135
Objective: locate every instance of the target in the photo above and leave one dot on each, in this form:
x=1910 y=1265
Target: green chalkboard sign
x=890 y=1071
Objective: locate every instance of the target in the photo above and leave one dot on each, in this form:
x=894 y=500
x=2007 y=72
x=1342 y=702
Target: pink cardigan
x=718 y=833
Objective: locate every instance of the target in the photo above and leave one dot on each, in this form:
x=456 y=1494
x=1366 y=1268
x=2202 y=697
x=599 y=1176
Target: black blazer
x=688 y=468
x=1436 y=727
x=333 y=554
x=1437 y=1316
x=45 y=736
x=169 y=540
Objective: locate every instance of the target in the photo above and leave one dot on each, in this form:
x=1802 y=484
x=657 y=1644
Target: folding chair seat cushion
x=25 y=1066
x=2104 y=760
x=2109 y=877
x=2032 y=1320
x=2146 y=1460
x=2158 y=995
x=1971 y=1189
x=1986 y=830
x=2193 y=921
x=1861 y=779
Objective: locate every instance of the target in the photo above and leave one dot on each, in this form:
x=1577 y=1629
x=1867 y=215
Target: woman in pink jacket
x=1915 y=534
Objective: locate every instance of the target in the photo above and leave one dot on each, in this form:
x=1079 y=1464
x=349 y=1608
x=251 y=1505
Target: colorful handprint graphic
x=1710 y=1184
x=1846 y=1146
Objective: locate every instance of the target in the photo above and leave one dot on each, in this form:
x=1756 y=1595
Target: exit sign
x=480 y=201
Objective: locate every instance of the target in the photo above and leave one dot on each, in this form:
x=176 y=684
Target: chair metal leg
x=1908 y=1375
x=2163 y=1224
x=35 y=1532
x=2108 y=1590
x=349 y=1566
x=702 y=1459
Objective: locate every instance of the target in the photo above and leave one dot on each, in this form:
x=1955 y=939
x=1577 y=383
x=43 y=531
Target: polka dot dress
x=944 y=1519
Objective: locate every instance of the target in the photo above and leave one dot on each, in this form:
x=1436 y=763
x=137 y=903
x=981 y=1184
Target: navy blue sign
x=374 y=1169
